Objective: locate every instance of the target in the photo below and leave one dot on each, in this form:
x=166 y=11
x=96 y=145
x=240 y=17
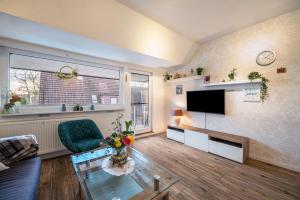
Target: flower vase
x=119 y=157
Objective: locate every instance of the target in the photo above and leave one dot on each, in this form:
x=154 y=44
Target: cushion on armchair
x=87 y=144
x=80 y=135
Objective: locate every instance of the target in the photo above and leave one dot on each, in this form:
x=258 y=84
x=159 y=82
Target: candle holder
x=156 y=179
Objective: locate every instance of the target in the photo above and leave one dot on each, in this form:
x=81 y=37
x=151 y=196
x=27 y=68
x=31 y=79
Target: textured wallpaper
x=273 y=126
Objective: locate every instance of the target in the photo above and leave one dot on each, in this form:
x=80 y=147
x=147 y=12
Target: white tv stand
x=223 y=144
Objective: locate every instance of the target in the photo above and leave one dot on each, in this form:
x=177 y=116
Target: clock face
x=265 y=58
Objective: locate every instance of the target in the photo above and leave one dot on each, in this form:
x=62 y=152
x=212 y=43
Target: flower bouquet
x=119 y=140
x=12 y=104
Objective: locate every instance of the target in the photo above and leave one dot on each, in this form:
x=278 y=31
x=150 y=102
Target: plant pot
x=199 y=71
x=119 y=157
x=206 y=79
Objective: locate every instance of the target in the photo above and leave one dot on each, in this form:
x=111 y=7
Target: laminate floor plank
x=203 y=176
x=45 y=181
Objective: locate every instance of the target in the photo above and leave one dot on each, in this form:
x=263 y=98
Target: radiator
x=44 y=130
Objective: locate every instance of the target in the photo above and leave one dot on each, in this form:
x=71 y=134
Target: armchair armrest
x=65 y=138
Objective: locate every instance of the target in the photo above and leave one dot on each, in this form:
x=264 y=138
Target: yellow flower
x=117 y=139
x=118 y=143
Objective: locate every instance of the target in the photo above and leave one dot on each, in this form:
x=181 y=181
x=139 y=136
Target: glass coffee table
x=96 y=184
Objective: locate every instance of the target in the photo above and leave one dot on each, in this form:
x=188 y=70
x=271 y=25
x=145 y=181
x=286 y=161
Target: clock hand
x=268 y=57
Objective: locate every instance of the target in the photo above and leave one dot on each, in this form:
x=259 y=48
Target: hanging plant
x=263 y=84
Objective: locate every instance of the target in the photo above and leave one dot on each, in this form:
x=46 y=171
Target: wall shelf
x=228 y=83
x=190 y=78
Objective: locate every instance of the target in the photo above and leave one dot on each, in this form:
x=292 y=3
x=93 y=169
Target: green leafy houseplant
x=232 y=74
x=263 y=85
x=199 y=71
x=77 y=107
x=167 y=76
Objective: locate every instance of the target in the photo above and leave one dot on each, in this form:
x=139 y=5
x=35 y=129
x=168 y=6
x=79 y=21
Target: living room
x=160 y=99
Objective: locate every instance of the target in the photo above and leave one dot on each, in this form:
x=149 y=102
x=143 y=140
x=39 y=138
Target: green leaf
x=128 y=125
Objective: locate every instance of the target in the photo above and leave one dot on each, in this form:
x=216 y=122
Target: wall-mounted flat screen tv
x=208 y=101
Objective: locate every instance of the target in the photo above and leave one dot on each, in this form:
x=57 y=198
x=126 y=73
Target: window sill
x=60 y=112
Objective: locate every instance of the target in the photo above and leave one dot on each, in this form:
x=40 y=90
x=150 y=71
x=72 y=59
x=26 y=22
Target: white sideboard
x=229 y=151
x=226 y=145
x=176 y=134
x=196 y=139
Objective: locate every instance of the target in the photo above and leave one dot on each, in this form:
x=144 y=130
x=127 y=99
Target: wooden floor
x=203 y=175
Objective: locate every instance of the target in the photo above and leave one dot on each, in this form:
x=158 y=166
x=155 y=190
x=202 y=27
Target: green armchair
x=80 y=135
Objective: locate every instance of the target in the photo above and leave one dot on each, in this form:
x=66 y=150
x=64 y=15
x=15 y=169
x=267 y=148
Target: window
x=140 y=102
x=34 y=81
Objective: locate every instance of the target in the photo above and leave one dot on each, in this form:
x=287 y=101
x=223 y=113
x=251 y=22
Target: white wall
x=102 y=118
x=273 y=126
x=105 y=20
x=158 y=97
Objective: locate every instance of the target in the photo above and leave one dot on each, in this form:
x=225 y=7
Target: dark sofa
x=21 y=180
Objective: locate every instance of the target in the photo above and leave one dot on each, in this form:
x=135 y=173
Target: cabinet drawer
x=175 y=135
x=196 y=139
x=226 y=150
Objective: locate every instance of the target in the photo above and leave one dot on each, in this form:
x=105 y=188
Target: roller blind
x=41 y=64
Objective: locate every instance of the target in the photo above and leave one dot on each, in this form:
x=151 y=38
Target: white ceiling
x=203 y=20
x=27 y=31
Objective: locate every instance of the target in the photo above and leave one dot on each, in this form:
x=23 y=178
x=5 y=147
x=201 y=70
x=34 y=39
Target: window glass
x=140 y=101
x=37 y=87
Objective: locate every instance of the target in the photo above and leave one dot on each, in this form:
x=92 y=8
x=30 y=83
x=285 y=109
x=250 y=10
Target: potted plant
x=167 y=76
x=192 y=71
x=7 y=108
x=77 y=107
x=177 y=75
x=12 y=106
x=263 y=84
x=199 y=71
x=232 y=74
x=119 y=140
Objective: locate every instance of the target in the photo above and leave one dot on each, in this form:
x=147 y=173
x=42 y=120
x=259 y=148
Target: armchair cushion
x=88 y=144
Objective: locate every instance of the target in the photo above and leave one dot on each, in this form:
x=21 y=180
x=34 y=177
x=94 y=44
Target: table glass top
x=139 y=184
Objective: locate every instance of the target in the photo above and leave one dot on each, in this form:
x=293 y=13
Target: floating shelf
x=228 y=83
x=190 y=78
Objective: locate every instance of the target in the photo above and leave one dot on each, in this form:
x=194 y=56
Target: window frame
x=56 y=109
x=150 y=103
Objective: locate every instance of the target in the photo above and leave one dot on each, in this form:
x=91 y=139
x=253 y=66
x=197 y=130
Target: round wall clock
x=265 y=58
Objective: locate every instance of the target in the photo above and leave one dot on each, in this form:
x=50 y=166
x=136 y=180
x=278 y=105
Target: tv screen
x=209 y=101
